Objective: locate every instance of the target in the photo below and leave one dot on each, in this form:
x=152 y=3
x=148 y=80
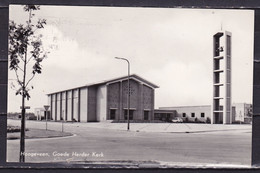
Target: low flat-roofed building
x=106 y=100
x=39 y=113
x=241 y=112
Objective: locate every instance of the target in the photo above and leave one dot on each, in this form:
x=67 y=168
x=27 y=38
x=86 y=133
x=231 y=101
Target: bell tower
x=222 y=104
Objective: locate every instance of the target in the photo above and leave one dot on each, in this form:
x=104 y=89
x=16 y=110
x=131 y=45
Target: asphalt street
x=92 y=143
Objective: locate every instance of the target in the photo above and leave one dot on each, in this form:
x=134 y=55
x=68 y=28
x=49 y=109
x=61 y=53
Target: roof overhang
x=111 y=81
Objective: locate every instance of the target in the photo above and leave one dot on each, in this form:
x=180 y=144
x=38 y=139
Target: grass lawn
x=35 y=133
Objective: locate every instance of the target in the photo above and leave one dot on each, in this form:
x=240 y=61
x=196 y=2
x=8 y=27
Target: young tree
x=26 y=53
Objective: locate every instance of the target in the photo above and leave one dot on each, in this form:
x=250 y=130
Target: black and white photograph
x=130 y=87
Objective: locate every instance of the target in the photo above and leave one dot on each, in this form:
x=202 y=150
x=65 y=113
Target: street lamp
x=128 y=95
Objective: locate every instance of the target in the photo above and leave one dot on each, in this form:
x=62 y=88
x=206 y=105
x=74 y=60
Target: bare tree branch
x=29 y=59
x=20 y=68
x=30 y=80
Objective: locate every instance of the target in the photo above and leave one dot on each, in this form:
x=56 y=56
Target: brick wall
x=133 y=96
x=147 y=97
x=114 y=95
x=141 y=97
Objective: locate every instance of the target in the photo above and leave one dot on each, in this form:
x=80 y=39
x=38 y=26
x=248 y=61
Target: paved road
x=105 y=144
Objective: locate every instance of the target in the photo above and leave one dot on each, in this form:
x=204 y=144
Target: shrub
x=208 y=120
x=12 y=129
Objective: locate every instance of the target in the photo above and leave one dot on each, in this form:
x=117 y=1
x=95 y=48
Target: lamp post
x=128 y=95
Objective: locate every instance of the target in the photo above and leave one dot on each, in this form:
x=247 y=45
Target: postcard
x=130 y=87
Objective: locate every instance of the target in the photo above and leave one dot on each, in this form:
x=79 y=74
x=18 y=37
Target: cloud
x=169 y=47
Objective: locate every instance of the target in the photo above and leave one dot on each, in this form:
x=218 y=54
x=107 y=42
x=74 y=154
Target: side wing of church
x=104 y=101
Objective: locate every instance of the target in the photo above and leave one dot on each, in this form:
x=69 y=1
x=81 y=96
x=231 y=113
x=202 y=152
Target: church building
x=105 y=100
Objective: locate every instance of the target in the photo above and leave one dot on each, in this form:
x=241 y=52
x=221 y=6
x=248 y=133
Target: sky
x=172 y=48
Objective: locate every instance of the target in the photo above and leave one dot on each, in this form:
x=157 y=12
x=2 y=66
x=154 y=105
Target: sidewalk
x=143 y=127
x=172 y=127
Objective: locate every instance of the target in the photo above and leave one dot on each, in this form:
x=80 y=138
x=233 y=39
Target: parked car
x=177 y=120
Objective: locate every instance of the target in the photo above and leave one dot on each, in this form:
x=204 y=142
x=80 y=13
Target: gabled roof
x=123 y=78
x=134 y=77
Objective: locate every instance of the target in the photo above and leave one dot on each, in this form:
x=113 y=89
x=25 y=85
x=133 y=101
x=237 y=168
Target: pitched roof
x=132 y=76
